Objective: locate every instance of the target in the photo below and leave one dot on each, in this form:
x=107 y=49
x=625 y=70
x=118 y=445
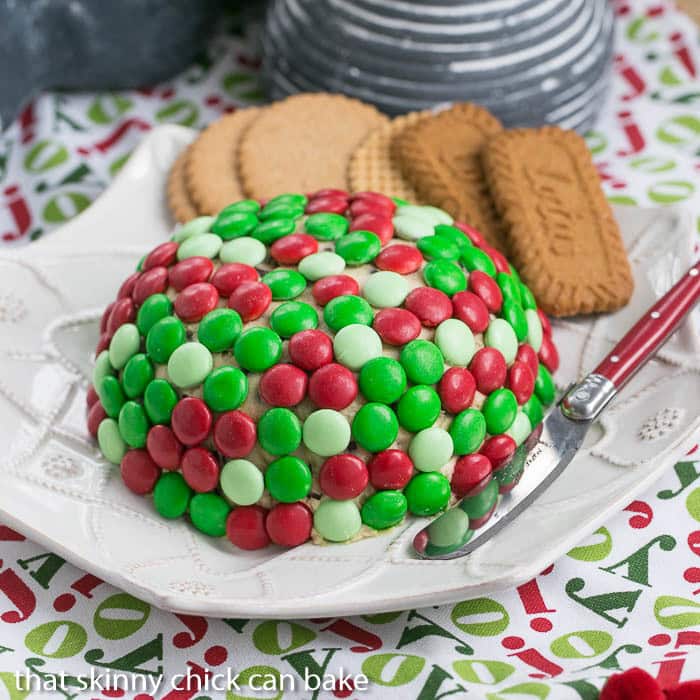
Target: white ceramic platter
x=56 y=489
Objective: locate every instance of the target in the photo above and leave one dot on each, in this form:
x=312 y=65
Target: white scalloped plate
x=58 y=491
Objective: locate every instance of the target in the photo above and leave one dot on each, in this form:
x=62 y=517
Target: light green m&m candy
x=449 y=529
x=245 y=250
x=355 y=345
x=189 y=365
x=110 y=440
x=411 y=228
x=385 y=289
x=125 y=343
x=323 y=264
x=431 y=449
x=337 y=521
x=455 y=341
x=206 y=245
x=520 y=428
x=500 y=335
x=194 y=227
x=534 y=329
x=326 y=432
x=242 y=482
x=257 y=349
x=103 y=367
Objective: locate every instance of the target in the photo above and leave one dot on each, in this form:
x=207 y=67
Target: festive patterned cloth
x=629 y=595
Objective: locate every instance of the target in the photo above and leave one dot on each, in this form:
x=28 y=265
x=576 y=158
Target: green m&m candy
x=206 y=245
x=164 y=337
x=323 y=264
x=384 y=509
x=257 y=349
x=427 y=493
x=500 y=409
x=337 y=521
x=431 y=449
x=208 y=512
x=358 y=247
x=544 y=385
x=514 y=314
x=284 y=284
x=375 y=427
x=445 y=276
x=233 y=224
x=438 y=248
x=171 y=495
x=111 y=395
x=269 y=231
x=157 y=306
x=527 y=298
x=219 y=329
x=355 y=345
x=475 y=259
x=133 y=424
x=326 y=226
x=419 y=408
x=225 y=389
x=292 y=317
x=137 y=375
x=385 y=289
x=533 y=410
x=345 y=310
x=279 y=431
x=189 y=365
x=242 y=482
x=422 y=361
x=454 y=236
x=110 y=440
x=125 y=343
x=383 y=379
x=288 y=199
x=288 y=479
x=468 y=430
x=326 y=432
x=510 y=287
x=159 y=400
x=500 y=335
x=478 y=506
x=281 y=210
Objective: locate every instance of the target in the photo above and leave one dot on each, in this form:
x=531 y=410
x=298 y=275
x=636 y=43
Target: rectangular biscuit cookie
x=561 y=232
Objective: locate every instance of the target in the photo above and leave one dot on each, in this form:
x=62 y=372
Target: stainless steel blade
x=448 y=537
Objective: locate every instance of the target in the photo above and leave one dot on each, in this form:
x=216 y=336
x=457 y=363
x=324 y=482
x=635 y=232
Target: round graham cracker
x=375 y=166
x=211 y=171
x=179 y=201
x=303 y=143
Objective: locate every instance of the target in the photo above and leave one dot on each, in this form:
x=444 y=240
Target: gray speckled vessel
x=95 y=44
x=529 y=61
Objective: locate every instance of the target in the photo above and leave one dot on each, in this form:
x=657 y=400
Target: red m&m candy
x=289 y=250
x=488 y=366
x=471 y=475
x=245 y=527
x=96 y=415
x=235 y=434
x=378 y=224
x=123 y=311
x=139 y=472
x=521 y=381
x=153 y=281
x=431 y=306
x=165 y=449
x=333 y=386
x=456 y=389
x=127 y=287
x=283 y=385
x=250 y=300
x=486 y=288
x=163 y=255
x=396 y=326
x=231 y=275
x=191 y=421
x=499 y=449
x=289 y=524
x=390 y=469
x=310 y=349
x=343 y=476
x=400 y=258
x=190 y=271
x=200 y=469
x=471 y=233
x=549 y=355
x=194 y=302
x=528 y=356
x=334 y=286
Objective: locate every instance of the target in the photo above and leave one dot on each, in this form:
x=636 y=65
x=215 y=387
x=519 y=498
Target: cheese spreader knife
x=553 y=444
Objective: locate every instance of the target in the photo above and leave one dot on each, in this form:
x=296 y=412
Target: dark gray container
x=538 y=61
x=95 y=44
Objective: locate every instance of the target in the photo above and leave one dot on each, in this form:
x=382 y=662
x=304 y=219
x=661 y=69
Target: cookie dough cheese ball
x=316 y=367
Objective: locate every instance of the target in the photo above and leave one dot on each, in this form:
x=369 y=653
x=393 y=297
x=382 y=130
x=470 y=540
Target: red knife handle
x=652 y=330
